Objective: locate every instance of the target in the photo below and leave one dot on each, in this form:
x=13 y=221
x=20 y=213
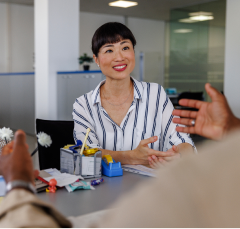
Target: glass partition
x=195 y=52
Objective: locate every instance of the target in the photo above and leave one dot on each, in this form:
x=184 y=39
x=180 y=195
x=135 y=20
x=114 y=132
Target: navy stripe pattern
x=150 y=114
x=156 y=113
x=165 y=104
x=103 y=128
x=166 y=130
x=146 y=111
x=135 y=122
x=115 y=137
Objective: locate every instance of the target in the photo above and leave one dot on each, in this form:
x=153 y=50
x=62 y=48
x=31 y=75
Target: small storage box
x=77 y=164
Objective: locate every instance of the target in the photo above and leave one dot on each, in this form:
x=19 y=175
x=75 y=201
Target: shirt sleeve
x=169 y=135
x=20 y=208
x=82 y=121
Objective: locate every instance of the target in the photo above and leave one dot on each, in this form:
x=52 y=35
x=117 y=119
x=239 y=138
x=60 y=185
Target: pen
x=85 y=139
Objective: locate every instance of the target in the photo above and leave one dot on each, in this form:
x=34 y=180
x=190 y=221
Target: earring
x=98 y=65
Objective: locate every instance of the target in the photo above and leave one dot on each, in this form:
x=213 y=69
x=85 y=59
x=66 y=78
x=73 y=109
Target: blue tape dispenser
x=111 y=168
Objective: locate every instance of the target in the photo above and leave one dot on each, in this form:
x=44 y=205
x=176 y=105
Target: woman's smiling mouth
x=120 y=67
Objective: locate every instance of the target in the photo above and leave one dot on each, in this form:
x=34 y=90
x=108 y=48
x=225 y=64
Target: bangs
x=111 y=33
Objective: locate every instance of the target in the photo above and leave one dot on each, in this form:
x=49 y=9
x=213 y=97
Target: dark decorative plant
x=85 y=59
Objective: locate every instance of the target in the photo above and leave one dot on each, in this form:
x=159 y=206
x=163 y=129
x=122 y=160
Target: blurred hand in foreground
x=15 y=160
x=213 y=119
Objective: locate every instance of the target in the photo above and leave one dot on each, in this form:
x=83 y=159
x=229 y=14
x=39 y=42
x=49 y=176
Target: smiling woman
x=130 y=120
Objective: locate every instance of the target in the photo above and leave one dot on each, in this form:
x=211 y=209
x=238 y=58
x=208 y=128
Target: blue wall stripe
x=79 y=72
x=16 y=73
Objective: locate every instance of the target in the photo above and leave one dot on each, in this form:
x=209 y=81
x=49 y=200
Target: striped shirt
x=150 y=114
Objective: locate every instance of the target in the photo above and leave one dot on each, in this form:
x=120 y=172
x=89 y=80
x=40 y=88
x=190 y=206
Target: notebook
x=139 y=169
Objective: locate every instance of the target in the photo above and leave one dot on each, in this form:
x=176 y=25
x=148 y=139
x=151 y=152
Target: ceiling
x=151 y=9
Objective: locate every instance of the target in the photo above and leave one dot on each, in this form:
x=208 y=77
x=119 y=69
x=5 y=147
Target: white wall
x=22 y=38
x=150 y=39
x=232 y=56
x=3 y=37
x=17 y=38
x=57 y=49
x=149 y=35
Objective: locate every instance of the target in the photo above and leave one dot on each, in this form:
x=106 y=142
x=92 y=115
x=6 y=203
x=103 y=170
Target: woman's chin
x=119 y=76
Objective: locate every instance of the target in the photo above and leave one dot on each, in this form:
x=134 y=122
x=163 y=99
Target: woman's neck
x=117 y=88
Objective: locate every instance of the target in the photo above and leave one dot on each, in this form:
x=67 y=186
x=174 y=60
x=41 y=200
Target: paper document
x=64 y=179
x=53 y=172
x=140 y=169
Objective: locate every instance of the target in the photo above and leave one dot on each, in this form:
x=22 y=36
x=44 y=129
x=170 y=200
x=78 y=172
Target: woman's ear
x=96 y=60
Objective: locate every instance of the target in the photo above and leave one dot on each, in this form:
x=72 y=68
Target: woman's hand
x=141 y=154
x=156 y=162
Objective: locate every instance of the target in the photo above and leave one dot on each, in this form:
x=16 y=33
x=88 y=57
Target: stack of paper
x=62 y=179
x=140 y=169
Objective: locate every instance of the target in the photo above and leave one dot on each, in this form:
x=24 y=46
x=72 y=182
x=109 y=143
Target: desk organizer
x=77 y=164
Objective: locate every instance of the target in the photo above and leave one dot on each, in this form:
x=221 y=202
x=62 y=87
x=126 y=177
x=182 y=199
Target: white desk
x=86 y=201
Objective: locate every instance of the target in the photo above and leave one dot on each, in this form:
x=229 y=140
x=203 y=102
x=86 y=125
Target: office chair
x=190 y=95
x=61 y=133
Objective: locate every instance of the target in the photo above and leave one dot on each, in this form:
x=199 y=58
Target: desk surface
x=86 y=201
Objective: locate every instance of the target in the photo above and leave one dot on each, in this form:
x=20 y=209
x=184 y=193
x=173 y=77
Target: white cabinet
x=72 y=86
x=17 y=97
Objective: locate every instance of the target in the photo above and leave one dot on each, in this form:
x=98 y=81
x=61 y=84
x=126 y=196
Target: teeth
x=119 y=67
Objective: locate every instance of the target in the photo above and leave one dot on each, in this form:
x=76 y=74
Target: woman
x=130 y=120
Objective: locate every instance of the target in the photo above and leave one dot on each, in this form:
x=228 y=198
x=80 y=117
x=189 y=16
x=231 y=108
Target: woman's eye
x=126 y=48
x=108 y=51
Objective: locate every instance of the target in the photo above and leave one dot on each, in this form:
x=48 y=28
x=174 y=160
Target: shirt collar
x=138 y=91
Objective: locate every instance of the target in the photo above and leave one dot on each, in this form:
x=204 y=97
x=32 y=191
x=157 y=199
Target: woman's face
x=117 y=60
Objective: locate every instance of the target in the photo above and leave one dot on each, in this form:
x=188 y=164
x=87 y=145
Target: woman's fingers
x=185 y=113
x=154 y=162
x=160 y=153
x=145 y=142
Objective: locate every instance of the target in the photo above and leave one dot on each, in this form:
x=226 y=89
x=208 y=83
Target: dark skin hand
x=16 y=162
x=213 y=119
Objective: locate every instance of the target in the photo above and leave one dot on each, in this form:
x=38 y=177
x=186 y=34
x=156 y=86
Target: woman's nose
x=119 y=56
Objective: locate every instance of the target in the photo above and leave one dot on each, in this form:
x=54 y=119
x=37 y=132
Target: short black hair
x=110 y=33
